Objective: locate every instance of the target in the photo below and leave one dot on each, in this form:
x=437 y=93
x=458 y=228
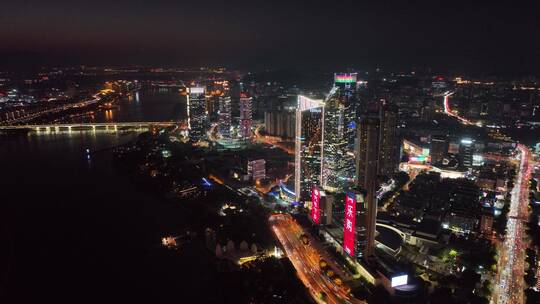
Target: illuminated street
x=273 y=141
x=509 y=283
x=448 y=111
x=306 y=262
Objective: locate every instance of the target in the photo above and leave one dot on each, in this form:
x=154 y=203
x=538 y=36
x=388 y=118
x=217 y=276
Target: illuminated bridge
x=91 y=126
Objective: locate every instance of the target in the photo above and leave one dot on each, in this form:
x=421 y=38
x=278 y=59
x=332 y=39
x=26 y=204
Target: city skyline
x=324 y=152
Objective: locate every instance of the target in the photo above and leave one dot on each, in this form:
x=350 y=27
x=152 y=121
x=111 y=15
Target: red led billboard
x=349 y=224
x=315 y=205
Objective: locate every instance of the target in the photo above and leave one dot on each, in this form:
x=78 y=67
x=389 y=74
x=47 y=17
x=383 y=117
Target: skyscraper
x=388 y=140
x=280 y=123
x=377 y=154
x=224 y=115
x=308 y=146
x=339 y=133
x=367 y=160
x=246 y=113
x=196 y=112
x=354 y=224
x=438 y=149
x=466 y=148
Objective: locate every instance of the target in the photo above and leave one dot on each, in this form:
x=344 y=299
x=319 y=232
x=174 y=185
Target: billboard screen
x=315 y=205
x=400 y=280
x=345 y=78
x=349 y=224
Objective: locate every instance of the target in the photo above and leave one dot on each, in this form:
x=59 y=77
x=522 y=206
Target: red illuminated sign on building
x=349 y=223
x=315 y=205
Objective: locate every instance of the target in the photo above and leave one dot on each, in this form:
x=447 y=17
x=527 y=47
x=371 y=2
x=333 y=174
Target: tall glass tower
x=246 y=113
x=196 y=111
x=308 y=146
x=339 y=133
x=224 y=116
x=367 y=159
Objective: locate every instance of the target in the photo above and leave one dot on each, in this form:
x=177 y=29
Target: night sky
x=453 y=35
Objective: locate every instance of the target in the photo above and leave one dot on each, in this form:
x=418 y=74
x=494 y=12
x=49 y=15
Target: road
x=448 y=110
x=509 y=284
x=305 y=260
x=271 y=140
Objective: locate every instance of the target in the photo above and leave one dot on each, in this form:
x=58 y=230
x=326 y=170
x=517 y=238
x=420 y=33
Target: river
x=146 y=105
x=75 y=230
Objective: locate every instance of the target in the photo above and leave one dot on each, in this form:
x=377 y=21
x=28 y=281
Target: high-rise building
x=438 y=149
x=280 y=123
x=246 y=113
x=327 y=209
x=308 y=146
x=354 y=224
x=367 y=161
x=339 y=133
x=256 y=169
x=377 y=154
x=321 y=207
x=466 y=148
x=224 y=115
x=347 y=86
x=196 y=112
x=388 y=140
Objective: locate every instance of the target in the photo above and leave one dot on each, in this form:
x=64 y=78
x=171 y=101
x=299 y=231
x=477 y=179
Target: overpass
x=90 y=126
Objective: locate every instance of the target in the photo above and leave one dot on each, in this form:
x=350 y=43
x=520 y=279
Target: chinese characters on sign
x=315 y=206
x=349 y=223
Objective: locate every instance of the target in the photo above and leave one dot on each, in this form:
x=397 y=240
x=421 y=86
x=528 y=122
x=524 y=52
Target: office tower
x=308 y=146
x=224 y=115
x=280 y=123
x=246 y=113
x=346 y=83
x=466 y=148
x=256 y=169
x=367 y=161
x=196 y=111
x=354 y=225
x=389 y=142
x=438 y=149
x=339 y=133
x=327 y=209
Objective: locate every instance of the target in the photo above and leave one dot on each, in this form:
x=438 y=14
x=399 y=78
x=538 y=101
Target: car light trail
x=306 y=259
x=509 y=284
